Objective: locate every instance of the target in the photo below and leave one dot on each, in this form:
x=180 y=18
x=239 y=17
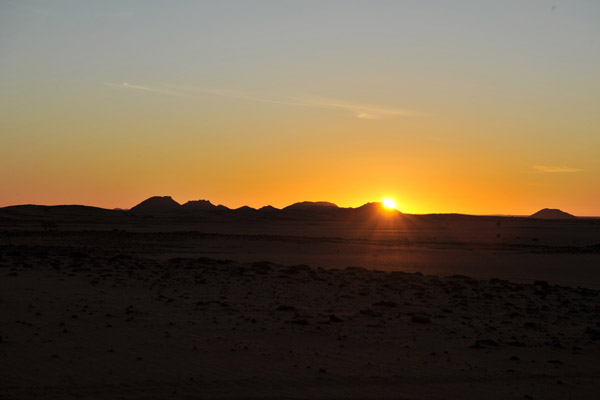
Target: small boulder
x=286 y=308
x=334 y=318
x=484 y=343
x=420 y=318
x=388 y=304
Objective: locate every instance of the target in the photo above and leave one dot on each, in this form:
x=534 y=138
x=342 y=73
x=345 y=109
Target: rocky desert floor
x=79 y=320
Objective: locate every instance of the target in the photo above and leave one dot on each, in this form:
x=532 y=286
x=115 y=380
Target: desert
x=294 y=306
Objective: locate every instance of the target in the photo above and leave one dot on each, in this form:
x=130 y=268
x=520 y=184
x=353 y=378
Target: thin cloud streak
x=555 y=169
x=361 y=111
x=146 y=88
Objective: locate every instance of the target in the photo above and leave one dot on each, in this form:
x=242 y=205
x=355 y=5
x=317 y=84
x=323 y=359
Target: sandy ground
x=102 y=316
x=560 y=253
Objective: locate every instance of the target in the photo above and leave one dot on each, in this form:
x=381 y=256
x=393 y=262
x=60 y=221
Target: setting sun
x=389 y=203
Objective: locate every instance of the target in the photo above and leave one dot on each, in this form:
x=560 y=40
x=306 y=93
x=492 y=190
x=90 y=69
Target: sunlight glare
x=389 y=203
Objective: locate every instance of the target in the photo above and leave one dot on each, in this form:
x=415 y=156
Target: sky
x=478 y=107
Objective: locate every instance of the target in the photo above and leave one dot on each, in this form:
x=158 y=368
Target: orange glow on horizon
x=389 y=204
x=333 y=113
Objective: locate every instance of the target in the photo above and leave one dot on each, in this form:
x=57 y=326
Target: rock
x=484 y=343
x=389 y=304
x=462 y=277
x=543 y=284
x=420 y=318
x=370 y=313
x=333 y=318
x=594 y=333
x=298 y=322
x=286 y=308
x=264 y=266
x=517 y=344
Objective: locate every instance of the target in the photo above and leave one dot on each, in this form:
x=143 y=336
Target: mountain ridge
x=158 y=205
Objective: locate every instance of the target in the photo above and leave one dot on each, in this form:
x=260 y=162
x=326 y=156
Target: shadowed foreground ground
x=102 y=324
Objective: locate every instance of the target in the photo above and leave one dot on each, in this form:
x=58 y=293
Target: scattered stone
x=370 y=313
x=262 y=266
x=484 y=343
x=333 y=318
x=389 y=304
x=420 y=318
x=462 y=277
x=594 y=333
x=517 y=344
x=286 y=308
x=543 y=284
x=298 y=322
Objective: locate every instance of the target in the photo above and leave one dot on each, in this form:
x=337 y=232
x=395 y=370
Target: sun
x=389 y=203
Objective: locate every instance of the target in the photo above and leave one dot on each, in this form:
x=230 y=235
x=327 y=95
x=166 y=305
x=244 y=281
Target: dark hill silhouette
x=157 y=204
x=375 y=210
x=202 y=205
x=306 y=210
x=62 y=210
x=310 y=205
x=552 y=213
x=54 y=217
x=376 y=207
x=198 y=205
x=268 y=209
x=245 y=209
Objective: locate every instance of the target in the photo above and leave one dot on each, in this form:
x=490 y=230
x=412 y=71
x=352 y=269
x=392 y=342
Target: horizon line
x=298 y=202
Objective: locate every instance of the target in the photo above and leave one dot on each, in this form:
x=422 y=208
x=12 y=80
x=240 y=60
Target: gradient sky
x=478 y=107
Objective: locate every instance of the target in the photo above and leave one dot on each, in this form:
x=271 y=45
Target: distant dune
x=552 y=213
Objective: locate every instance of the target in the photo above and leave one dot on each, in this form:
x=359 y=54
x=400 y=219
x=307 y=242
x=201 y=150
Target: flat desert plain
x=448 y=307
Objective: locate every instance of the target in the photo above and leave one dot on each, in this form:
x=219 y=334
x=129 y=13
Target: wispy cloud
x=555 y=169
x=362 y=111
x=128 y=85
